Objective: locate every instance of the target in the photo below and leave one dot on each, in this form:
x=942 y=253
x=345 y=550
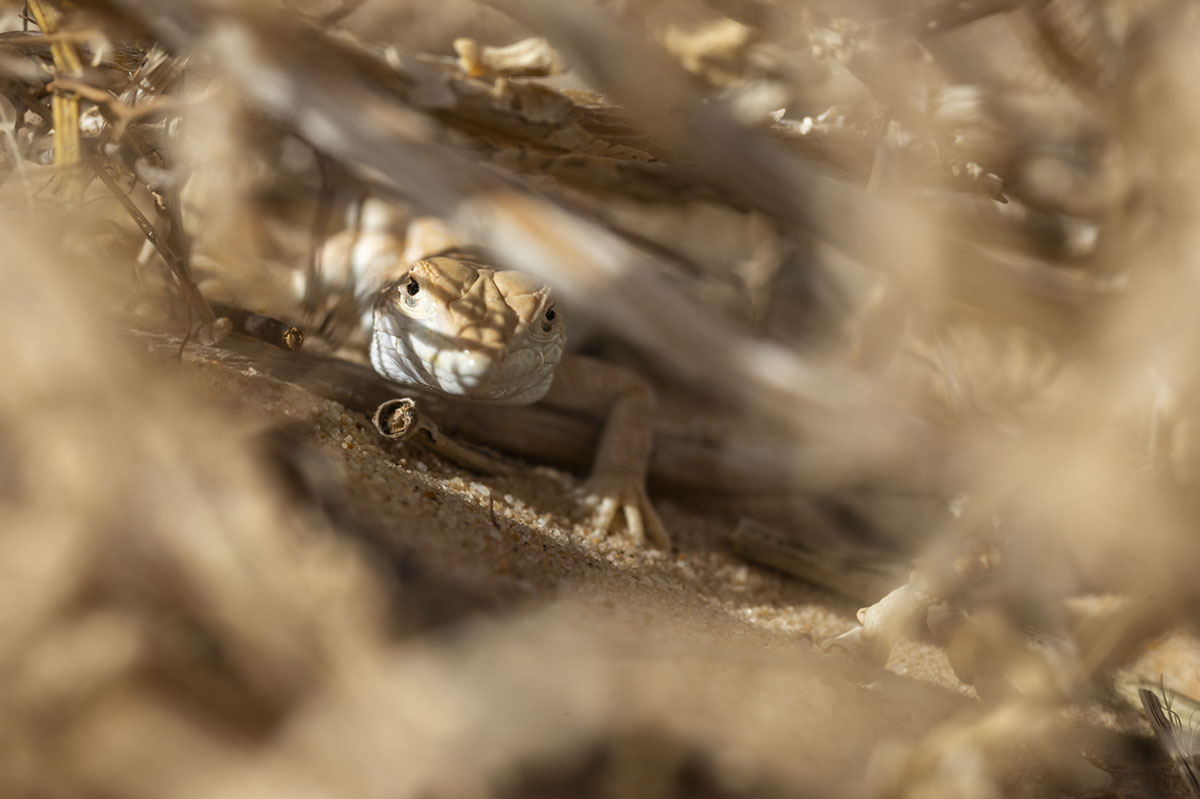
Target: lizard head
x=455 y=325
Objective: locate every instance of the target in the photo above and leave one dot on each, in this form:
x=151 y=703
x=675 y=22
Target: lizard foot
x=607 y=494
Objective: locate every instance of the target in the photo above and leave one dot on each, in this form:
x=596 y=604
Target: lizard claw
x=606 y=495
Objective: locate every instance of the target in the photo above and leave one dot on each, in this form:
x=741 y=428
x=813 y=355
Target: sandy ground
x=569 y=641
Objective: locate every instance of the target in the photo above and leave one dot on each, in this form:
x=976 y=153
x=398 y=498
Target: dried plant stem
x=177 y=265
x=401 y=420
x=67 y=150
x=273 y=331
x=1167 y=726
x=117 y=112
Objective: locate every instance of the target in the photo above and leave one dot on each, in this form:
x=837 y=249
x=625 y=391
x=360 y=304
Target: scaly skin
x=451 y=323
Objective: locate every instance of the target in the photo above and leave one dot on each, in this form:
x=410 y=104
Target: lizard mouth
x=491 y=376
x=462 y=370
x=514 y=377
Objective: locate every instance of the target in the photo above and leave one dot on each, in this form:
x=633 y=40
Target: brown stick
x=275 y=332
x=712 y=470
x=400 y=420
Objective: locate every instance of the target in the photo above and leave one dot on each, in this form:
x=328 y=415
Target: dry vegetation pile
x=917 y=284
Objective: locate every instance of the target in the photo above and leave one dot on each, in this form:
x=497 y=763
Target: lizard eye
x=549 y=318
x=411 y=290
x=550 y=315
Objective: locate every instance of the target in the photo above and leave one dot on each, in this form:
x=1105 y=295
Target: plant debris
x=915 y=285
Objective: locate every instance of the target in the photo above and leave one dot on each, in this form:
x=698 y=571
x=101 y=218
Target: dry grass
x=913 y=284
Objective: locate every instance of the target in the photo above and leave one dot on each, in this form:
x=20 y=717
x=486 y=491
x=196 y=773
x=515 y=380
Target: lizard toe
x=607 y=496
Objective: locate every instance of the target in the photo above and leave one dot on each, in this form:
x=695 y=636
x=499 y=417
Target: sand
x=563 y=640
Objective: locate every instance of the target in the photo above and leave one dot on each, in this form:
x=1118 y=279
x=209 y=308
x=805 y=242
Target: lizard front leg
x=618 y=478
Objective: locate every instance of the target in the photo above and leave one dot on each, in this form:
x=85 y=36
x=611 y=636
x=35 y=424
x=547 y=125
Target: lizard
x=445 y=319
